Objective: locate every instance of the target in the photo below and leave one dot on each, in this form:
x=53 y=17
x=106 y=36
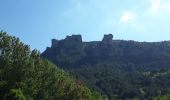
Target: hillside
x=119 y=69
x=24 y=75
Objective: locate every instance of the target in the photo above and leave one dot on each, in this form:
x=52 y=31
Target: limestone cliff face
x=69 y=42
x=73 y=52
x=66 y=51
x=76 y=41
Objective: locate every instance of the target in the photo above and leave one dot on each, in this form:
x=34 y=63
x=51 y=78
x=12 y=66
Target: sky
x=36 y=22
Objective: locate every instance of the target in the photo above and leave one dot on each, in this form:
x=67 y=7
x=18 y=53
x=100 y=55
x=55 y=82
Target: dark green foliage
x=119 y=69
x=164 y=97
x=14 y=94
x=24 y=75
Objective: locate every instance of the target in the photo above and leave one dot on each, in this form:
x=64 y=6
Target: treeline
x=24 y=75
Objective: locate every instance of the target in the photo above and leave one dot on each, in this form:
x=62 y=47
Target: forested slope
x=24 y=75
x=119 y=69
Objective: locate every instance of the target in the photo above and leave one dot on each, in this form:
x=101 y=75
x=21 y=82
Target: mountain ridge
x=107 y=48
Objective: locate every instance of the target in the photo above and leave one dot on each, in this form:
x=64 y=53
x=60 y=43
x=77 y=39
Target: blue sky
x=36 y=22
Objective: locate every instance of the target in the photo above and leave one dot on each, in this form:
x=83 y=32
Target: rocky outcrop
x=69 y=42
x=54 y=43
x=76 y=38
x=68 y=50
x=108 y=39
x=72 y=49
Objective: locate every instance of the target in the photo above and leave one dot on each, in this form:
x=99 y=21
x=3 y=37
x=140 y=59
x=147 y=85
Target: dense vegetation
x=119 y=69
x=24 y=75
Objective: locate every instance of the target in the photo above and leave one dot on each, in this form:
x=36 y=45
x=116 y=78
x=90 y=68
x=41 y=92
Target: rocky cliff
x=73 y=52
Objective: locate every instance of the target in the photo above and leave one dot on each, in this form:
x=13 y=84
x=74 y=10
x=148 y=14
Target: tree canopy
x=24 y=75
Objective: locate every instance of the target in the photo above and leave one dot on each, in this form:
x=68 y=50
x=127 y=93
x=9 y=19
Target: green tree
x=25 y=75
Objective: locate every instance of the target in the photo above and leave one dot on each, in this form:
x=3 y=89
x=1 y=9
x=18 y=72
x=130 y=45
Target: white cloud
x=128 y=17
x=155 y=6
x=166 y=6
x=160 y=6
